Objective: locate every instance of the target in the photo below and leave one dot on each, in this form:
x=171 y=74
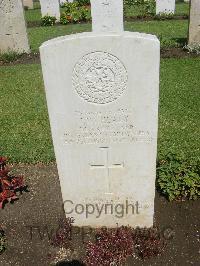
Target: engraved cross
x=107 y=167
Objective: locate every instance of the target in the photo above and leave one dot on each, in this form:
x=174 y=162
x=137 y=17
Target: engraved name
x=105 y=127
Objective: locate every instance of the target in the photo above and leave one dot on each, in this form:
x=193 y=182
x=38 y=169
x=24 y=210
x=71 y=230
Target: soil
x=149 y=18
x=32 y=24
x=176 y=53
x=25 y=222
x=34 y=58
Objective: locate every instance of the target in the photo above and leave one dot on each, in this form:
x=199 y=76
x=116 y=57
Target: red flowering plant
x=112 y=247
x=9 y=185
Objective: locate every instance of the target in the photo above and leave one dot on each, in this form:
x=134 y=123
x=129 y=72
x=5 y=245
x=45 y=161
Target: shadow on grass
x=180 y=41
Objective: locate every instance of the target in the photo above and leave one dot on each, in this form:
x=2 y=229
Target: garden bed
x=27 y=222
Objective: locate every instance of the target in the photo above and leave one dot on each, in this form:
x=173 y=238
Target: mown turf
x=35 y=14
x=38 y=35
x=171 y=33
x=179 y=114
x=24 y=126
x=181 y=9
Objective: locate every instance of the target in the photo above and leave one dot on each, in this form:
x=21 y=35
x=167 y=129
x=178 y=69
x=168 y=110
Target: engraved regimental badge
x=99 y=77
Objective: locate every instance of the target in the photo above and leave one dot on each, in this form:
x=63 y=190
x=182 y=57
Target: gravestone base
x=102 y=95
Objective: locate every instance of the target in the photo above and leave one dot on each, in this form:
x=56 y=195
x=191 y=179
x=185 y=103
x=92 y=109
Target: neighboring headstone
x=102 y=92
x=28 y=4
x=65 y=1
x=165 y=7
x=194 y=24
x=13 y=35
x=186 y=1
x=107 y=16
x=50 y=8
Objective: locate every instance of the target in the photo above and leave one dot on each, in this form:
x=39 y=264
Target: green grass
x=32 y=15
x=179 y=125
x=36 y=5
x=9 y=56
x=35 y=14
x=24 y=126
x=38 y=35
x=181 y=9
x=172 y=33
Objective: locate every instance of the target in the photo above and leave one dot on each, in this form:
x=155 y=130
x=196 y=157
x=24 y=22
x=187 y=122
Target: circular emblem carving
x=99 y=77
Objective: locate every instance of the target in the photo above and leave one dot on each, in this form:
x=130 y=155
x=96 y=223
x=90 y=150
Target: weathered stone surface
x=165 y=6
x=13 y=35
x=102 y=94
x=194 y=24
x=50 y=8
x=107 y=15
x=65 y=1
x=28 y=3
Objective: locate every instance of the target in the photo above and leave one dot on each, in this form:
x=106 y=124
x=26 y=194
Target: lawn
x=181 y=9
x=170 y=32
x=24 y=126
x=35 y=14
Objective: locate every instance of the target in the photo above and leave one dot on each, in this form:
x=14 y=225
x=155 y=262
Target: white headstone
x=28 y=3
x=65 y=1
x=13 y=35
x=50 y=8
x=102 y=93
x=165 y=6
x=107 y=15
x=194 y=24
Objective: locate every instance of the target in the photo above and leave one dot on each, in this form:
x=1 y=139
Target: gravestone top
x=107 y=15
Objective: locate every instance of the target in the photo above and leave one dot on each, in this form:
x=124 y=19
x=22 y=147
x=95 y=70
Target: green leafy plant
x=83 y=2
x=48 y=20
x=178 y=178
x=74 y=13
x=9 y=56
x=163 y=16
x=2 y=241
x=195 y=48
